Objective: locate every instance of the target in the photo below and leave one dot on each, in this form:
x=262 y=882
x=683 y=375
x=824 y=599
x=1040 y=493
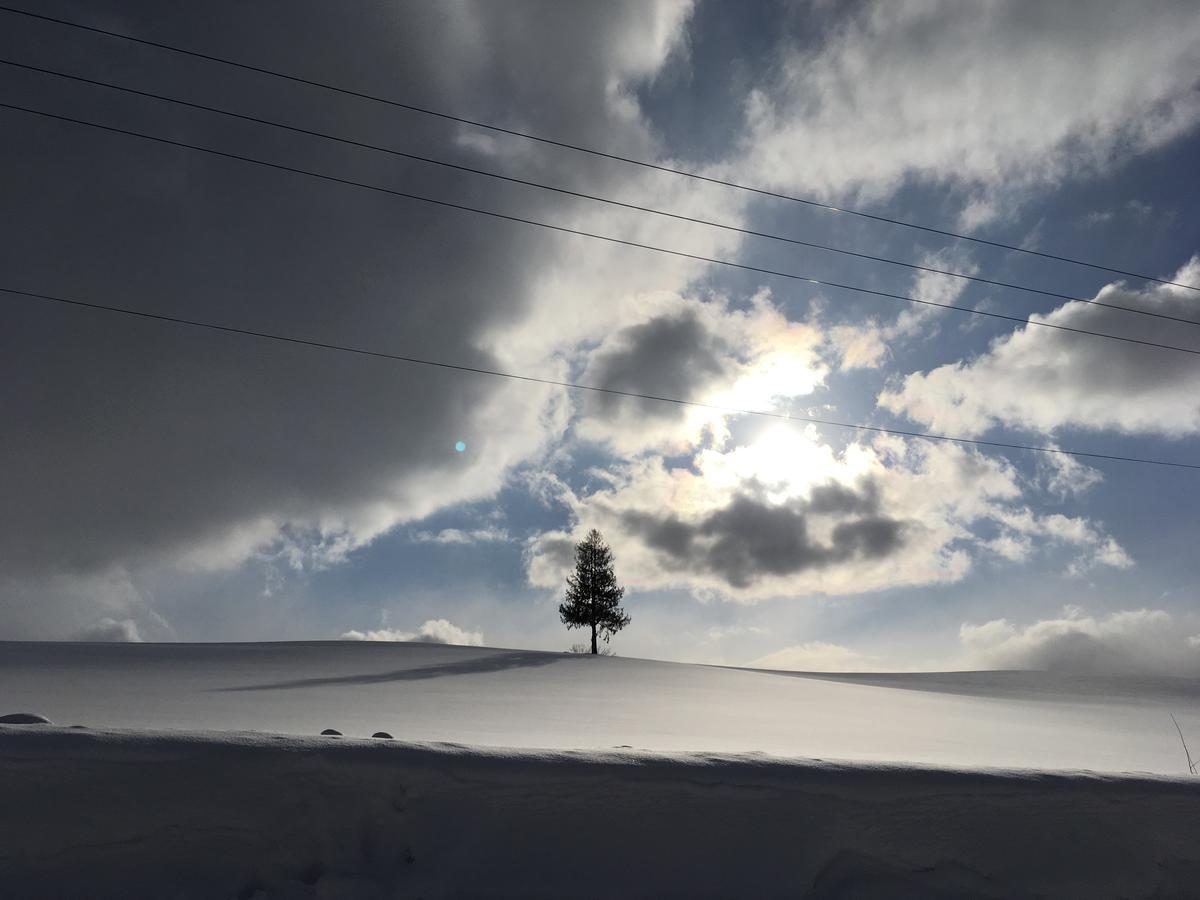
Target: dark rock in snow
x=382 y=734
x=332 y=731
x=24 y=719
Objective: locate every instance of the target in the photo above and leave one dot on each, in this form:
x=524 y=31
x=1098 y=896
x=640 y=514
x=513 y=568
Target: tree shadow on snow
x=497 y=662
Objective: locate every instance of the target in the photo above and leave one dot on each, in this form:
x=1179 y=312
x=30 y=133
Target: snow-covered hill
x=199 y=773
x=526 y=699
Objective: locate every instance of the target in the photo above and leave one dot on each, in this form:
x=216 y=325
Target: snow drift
x=195 y=815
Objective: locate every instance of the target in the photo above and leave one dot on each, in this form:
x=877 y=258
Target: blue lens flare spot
x=460 y=446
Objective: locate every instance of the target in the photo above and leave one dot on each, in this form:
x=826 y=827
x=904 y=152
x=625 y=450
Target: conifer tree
x=593 y=595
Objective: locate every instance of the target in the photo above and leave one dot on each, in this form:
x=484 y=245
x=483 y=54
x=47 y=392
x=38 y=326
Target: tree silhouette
x=593 y=595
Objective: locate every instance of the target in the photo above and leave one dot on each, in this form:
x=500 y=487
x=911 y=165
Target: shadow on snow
x=497 y=662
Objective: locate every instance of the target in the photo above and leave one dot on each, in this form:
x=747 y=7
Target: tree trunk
x=593 y=639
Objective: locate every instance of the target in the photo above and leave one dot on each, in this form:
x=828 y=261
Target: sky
x=166 y=483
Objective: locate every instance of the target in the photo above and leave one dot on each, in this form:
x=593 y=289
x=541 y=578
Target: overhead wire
x=579 y=148
x=601 y=237
x=590 y=197
x=551 y=382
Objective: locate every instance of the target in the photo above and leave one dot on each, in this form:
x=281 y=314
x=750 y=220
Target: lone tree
x=593 y=594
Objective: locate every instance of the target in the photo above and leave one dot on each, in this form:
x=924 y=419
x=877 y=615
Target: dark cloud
x=667 y=534
x=558 y=552
x=751 y=537
x=835 y=498
x=673 y=355
x=127 y=442
x=869 y=538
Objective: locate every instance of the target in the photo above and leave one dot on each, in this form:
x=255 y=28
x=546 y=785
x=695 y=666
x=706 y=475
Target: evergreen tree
x=593 y=595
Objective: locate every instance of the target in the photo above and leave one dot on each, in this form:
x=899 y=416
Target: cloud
x=704 y=351
x=717 y=633
x=433 y=631
x=1065 y=475
x=1135 y=641
x=785 y=515
x=147 y=448
x=1146 y=641
x=71 y=607
x=1043 y=380
x=994 y=98
x=866 y=346
x=752 y=537
x=816 y=656
x=670 y=355
x=858 y=347
x=111 y=631
x=163 y=453
x=1020 y=530
x=1136 y=212
x=459 y=536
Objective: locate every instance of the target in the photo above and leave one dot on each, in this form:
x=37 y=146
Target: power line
x=599 y=237
x=590 y=150
x=396 y=357
x=591 y=197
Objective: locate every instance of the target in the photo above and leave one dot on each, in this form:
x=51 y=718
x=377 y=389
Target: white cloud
x=459 y=536
x=866 y=346
x=1106 y=553
x=784 y=514
x=1065 y=475
x=858 y=347
x=937 y=288
x=717 y=633
x=816 y=656
x=996 y=98
x=433 y=631
x=1137 y=641
x=1043 y=379
x=1022 y=529
x=111 y=631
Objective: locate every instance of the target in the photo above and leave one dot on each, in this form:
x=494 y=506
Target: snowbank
x=126 y=814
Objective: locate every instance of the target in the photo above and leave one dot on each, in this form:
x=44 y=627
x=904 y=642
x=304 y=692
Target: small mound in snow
x=24 y=719
x=382 y=734
x=333 y=732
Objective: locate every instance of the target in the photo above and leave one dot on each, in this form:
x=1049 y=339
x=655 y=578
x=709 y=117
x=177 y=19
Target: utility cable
x=593 y=197
x=599 y=237
x=361 y=351
x=578 y=148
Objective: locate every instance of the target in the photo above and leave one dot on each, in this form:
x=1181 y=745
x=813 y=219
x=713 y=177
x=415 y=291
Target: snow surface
x=653 y=779
x=205 y=815
x=527 y=699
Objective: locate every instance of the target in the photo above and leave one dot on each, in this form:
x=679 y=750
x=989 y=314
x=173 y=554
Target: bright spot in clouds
x=460 y=446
